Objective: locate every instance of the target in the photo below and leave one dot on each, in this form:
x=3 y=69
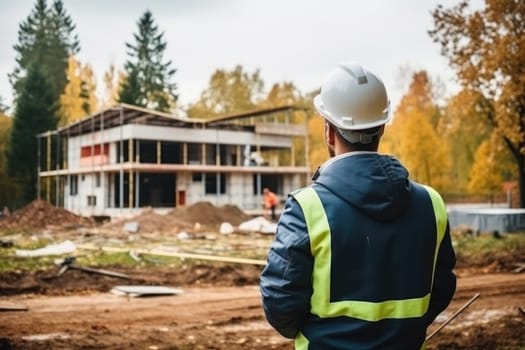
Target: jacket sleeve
x=444 y=285
x=285 y=282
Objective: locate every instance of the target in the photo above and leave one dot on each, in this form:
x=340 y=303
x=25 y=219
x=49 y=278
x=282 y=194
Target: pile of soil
x=200 y=216
x=207 y=214
x=40 y=214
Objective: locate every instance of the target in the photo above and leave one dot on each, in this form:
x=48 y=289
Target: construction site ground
x=219 y=307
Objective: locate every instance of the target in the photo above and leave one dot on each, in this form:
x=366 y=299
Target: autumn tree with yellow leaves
x=486 y=47
x=8 y=188
x=490 y=168
x=79 y=98
x=413 y=136
x=113 y=79
x=464 y=129
x=229 y=91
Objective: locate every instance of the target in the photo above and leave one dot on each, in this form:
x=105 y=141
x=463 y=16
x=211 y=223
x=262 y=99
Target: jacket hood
x=376 y=184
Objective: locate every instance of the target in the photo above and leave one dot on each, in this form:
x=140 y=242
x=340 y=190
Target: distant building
x=125 y=158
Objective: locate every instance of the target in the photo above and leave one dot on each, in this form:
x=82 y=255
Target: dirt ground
x=219 y=308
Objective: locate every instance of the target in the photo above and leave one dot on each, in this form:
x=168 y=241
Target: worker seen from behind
x=362 y=258
x=270 y=202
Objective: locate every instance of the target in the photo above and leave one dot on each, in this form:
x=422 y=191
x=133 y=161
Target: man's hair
x=358 y=146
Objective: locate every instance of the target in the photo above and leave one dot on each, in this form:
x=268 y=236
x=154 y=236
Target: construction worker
x=270 y=202
x=362 y=258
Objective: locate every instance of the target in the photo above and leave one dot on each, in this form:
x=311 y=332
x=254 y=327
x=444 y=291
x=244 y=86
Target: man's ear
x=382 y=130
x=329 y=134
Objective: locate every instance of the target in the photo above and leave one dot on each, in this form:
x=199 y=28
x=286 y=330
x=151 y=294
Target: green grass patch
x=485 y=249
x=9 y=263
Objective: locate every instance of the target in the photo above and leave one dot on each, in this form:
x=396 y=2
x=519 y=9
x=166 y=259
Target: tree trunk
x=521 y=175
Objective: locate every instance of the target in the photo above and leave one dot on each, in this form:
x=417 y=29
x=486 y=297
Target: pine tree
x=45 y=38
x=149 y=79
x=35 y=113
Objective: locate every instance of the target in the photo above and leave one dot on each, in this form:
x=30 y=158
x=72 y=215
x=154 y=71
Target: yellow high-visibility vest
x=320 y=240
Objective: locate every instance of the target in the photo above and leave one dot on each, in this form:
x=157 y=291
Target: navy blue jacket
x=383 y=241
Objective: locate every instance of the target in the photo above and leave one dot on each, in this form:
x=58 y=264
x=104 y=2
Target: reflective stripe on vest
x=319 y=233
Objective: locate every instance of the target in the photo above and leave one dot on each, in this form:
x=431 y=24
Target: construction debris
x=520 y=267
x=12 y=307
x=258 y=224
x=69 y=263
x=173 y=252
x=65 y=247
x=6 y=243
x=141 y=291
x=226 y=228
x=131 y=227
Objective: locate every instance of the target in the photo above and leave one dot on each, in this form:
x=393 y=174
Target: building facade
x=125 y=158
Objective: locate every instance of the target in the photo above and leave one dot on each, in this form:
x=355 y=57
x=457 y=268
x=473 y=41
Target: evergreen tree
x=35 y=113
x=149 y=79
x=45 y=38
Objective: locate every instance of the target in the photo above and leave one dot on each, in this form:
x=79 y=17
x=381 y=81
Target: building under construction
x=125 y=158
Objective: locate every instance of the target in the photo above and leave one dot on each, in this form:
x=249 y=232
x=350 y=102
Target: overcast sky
x=287 y=40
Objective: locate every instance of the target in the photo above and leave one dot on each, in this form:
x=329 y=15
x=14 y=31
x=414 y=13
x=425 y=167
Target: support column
x=159 y=152
x=238 y=151
x=121 y=163
x=48 y=166
x=57 y=166
x=38 y=168
x=131 y=188
x=137 y=180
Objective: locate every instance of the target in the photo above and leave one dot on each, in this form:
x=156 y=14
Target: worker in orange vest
x=270 y=202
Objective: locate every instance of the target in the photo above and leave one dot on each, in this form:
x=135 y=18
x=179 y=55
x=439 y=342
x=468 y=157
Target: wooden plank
x=178 y=255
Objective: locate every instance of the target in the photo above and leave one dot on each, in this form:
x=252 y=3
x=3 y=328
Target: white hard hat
x=353 y=98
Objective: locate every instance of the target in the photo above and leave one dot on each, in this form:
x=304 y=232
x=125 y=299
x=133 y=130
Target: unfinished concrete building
x=125 y=158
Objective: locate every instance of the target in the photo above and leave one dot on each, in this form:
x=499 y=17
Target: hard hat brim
x=320 y=107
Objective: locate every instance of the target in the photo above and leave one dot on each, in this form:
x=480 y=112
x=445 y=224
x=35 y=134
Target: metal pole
x=57 y=162
x=48 y=167
x=103 y=182
x=454 y=315
x=137 y=174
x=38 y=169
x=121 y=156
